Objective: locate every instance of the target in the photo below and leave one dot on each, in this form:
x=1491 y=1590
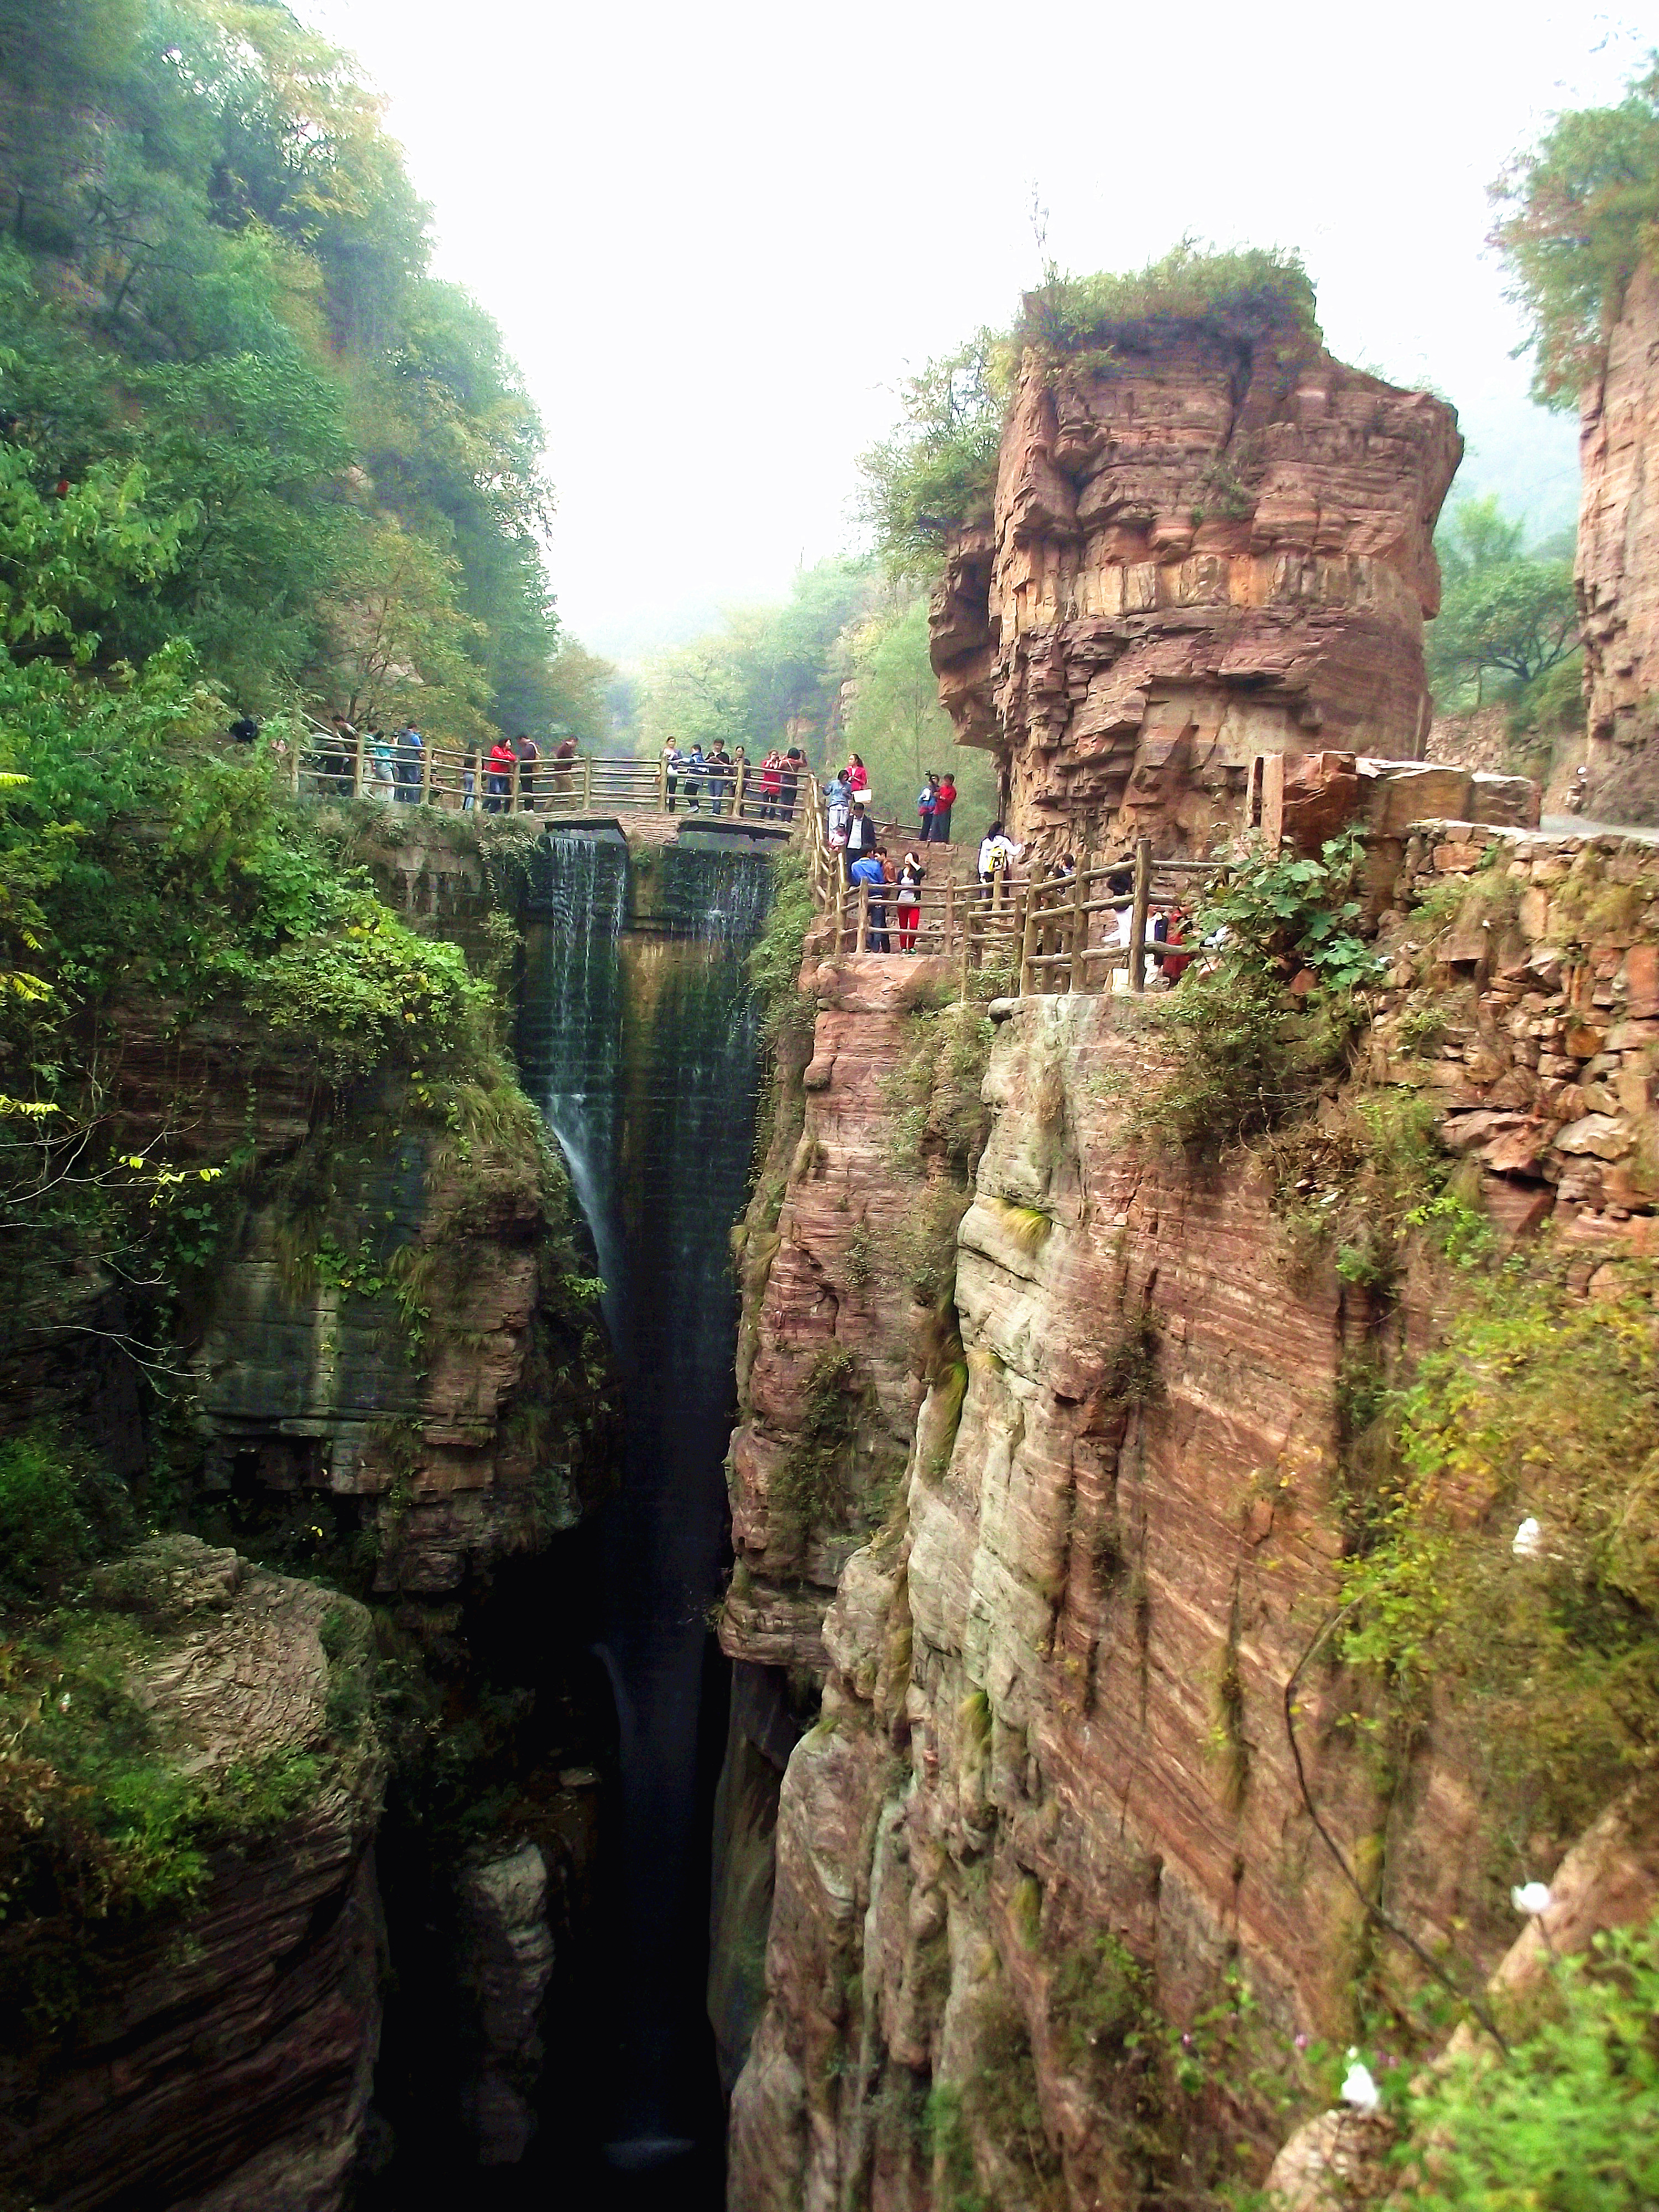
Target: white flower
x=1532 y=1898
x=1358 y=2089
x=63 y=1703
x=1528 y=1540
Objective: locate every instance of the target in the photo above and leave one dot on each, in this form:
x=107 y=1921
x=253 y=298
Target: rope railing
x=462 y=779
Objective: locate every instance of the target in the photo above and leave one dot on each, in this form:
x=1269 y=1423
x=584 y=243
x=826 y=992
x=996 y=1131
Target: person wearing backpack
x=910 y=879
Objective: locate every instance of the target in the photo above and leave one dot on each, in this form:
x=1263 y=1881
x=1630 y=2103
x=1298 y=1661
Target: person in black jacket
x=860 y=832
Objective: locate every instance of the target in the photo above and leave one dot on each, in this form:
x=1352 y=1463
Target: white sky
x=713 y=237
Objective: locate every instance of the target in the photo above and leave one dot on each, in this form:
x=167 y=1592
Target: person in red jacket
x=943 y=800
x=498 y=780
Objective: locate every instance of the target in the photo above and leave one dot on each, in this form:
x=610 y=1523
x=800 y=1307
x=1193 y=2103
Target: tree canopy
x=215 y=301
x=1503 y=611
x=1578 y=214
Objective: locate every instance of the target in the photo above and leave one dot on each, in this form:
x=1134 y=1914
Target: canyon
x=788 y=1561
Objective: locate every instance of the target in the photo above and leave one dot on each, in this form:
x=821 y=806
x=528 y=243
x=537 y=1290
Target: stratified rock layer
x=1618 y=562
x=229 y=2061
x=1206 y=546
x=1050 y=1809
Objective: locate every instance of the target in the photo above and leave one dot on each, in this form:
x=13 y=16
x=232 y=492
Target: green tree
x=895 y=724
x=938 y=469
x=1501 y=610
x=1578 y=216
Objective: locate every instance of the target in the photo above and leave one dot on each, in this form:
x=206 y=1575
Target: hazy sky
x=714 y=236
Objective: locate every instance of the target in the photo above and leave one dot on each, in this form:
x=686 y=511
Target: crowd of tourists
x=398 y=767
x=763 y=792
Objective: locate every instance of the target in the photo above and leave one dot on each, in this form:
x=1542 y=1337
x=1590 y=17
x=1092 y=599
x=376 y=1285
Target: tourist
x=673 y=760
x=411 y=751
x=470 y=780
x=563 y=754
x=868 y=871
x=857 y=775
x=861 y=832
x=739 y=778
x=694 y=767
x=943 y=800
x=794 y=763
x=529 y=753
x=771 y=785
x=837 y=810
x=911 y=876
x=1065 y=870
x=1175 y=925
x=499 y=780
x=927 y=800
x=719 y=763
x=382 y=767
x=997 y=855
x=340 y=757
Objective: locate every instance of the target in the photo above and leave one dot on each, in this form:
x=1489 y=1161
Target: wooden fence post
x=861 y=942
x=587 y=783
x=426 y=775
x=1027 y=938
x=967 y=945
x=357 y=745
x=1077 y=970
x=1138 y=926
x=840 y=904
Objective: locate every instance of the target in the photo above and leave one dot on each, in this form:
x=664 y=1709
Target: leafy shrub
x=1252 y=293
x=813 y=1484
x=1569 y=2120
x=775 y=961
x=1246 y=1057
x=57 y=1513
x=373 y=994
x=1540 y=1405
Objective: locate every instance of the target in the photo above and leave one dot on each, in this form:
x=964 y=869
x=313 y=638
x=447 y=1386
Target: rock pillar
x=1208 y=545
x=1618 y=566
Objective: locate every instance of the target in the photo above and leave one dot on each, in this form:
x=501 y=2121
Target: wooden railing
x=461 y=780
x=1050 y=933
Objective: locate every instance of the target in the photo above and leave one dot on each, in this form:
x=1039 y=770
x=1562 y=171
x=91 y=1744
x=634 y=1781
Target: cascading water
x=639 y=1041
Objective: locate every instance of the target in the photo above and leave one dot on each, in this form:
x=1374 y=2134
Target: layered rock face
x=1206 y=546
x=1618 y=562
x=386 y=1338
x=1048 y=1823
x=225 y=2058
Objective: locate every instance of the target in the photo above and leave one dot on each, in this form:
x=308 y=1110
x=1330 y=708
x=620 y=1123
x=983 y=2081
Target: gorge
x=652 y=1556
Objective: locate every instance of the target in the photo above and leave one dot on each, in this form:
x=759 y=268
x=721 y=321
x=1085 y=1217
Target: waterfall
x=637 y=1035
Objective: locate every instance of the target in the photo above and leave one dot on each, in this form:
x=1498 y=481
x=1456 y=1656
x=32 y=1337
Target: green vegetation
x=105 y=1818
x=1250 y=1055
x=813 y=1488
x=221 y=332
x=1577 y=216
x=841 y=667
x=58 y=1513
x=1569 y=2121
x=937 y=471
x=1538 y=1404
x=1504 y=614
x=1249 y=295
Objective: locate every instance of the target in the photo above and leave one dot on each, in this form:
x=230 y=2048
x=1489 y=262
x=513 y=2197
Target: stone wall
x=1617 y=561
x=1206 y=546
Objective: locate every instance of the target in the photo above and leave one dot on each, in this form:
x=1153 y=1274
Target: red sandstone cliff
x=1050 y=1779
x=1617 y=563
x=1206 y=546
